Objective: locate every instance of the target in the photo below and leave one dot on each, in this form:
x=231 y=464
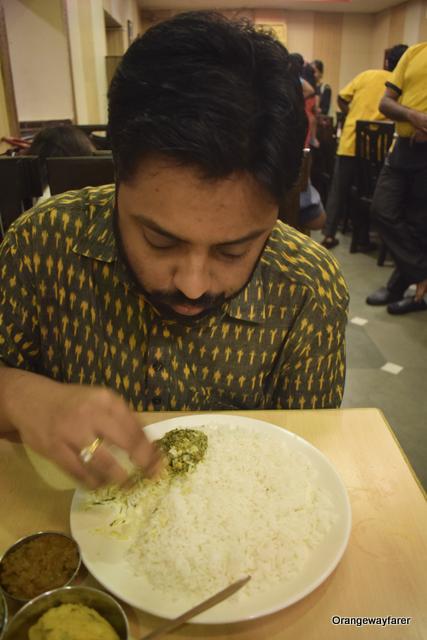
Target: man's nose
x=192 y=276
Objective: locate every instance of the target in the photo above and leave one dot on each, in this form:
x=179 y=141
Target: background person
x=323 y=91
x=312 y=214
x=58 y=142
x=359 y=101
x=400 y=199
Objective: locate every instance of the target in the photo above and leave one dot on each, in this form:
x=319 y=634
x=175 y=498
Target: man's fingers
x=71 y=463
x=123 y=429
x=106 y=467
x=156 y=463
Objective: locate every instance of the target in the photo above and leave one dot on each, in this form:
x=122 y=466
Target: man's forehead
x=178 y=201
x=168 y=232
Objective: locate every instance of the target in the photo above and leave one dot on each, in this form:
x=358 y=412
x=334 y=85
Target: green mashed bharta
x=184 y=449
x=72 y=622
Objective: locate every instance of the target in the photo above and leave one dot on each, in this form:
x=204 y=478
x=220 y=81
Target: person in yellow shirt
x=359 y=101
x=400 y=199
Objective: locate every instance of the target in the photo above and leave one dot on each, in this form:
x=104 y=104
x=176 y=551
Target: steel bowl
x=101 y=601
x=21 y=542
x=3 y=615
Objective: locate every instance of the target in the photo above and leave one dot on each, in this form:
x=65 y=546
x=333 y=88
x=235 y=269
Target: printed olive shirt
x=70 y=310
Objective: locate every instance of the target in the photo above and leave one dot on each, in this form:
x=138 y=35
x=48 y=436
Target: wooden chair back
x=20 y=182
x=65 y=174
x=373 y=140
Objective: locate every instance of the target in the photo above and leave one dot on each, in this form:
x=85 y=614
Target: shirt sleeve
x=19 y=333
x=398 y=75
x=312 y=373
x=349 y=90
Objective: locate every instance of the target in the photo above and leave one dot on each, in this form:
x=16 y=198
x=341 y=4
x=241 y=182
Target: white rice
x=251 y=507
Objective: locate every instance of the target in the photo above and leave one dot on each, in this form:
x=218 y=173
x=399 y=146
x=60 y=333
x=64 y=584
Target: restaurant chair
x=373 y=139
x=91 y=128
x=20 y=183
x=98 y=135
x=323 y=157
x=290 y=208
x=65 y=174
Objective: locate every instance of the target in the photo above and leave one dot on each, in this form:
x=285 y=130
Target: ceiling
x=354 y=6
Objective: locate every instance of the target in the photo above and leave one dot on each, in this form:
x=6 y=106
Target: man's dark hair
x=319 y=65
x=394 y=54
x=211 y=93
x=296 y=62
x=302 y=69
x=58 y=142
x=63 y=140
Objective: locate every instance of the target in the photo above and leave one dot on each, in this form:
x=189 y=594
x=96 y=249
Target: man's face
x=189 y=241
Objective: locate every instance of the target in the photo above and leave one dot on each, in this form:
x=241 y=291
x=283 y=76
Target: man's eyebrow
x=164 y=232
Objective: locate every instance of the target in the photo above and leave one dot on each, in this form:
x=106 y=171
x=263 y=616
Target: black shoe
x=330 y=243
x=383 y=296
x=406 y=305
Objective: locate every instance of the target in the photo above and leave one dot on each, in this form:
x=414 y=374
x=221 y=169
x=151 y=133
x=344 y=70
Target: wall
x=35 y=29
x=57 y=50
x=406 y=23
x=88 y=49
x=356 y=46
x=122 y=11
x=86 y=28
x=5 y=126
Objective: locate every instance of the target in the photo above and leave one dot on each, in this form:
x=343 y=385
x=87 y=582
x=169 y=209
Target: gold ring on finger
x=86 y=454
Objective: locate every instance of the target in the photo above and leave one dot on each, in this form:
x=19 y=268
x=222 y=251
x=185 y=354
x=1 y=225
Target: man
x=400 y=199
x=177 y=289
x=359 y=101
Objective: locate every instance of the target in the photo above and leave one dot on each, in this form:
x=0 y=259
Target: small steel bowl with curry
x=38 y=563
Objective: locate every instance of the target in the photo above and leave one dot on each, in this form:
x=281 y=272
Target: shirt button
x=157 y=401
x=157 y=366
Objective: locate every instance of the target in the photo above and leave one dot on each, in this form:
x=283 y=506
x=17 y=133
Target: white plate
x=105 y=557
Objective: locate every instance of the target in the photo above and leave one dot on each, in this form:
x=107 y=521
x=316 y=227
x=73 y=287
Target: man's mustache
x=178 y=298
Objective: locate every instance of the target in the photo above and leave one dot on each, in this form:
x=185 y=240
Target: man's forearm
x=343 y=105
x=395 y=111
x=21 y=391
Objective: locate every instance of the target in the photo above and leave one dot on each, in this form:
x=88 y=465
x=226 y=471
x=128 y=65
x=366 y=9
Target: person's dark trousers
x=338 y=202
x=400 y=210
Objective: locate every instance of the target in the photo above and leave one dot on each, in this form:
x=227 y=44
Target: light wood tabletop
x=382 y=573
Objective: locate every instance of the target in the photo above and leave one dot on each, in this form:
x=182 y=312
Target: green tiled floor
x=398 y=339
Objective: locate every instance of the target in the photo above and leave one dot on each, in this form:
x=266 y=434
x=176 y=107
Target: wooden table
x=383 y=572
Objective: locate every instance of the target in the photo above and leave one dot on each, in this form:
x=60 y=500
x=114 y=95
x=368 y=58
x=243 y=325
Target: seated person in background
x=359 y=100
x=58 y=142
x=312 y=215
x=323 y=91
x=400 y=200
x=177 y=289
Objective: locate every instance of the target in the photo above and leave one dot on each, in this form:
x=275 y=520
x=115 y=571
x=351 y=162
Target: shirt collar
x=97 y=241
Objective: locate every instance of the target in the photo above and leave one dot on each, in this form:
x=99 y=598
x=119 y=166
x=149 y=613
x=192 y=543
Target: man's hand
x=59 y=420
x=419 y=136
x=418 y=120
x=421 y=290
